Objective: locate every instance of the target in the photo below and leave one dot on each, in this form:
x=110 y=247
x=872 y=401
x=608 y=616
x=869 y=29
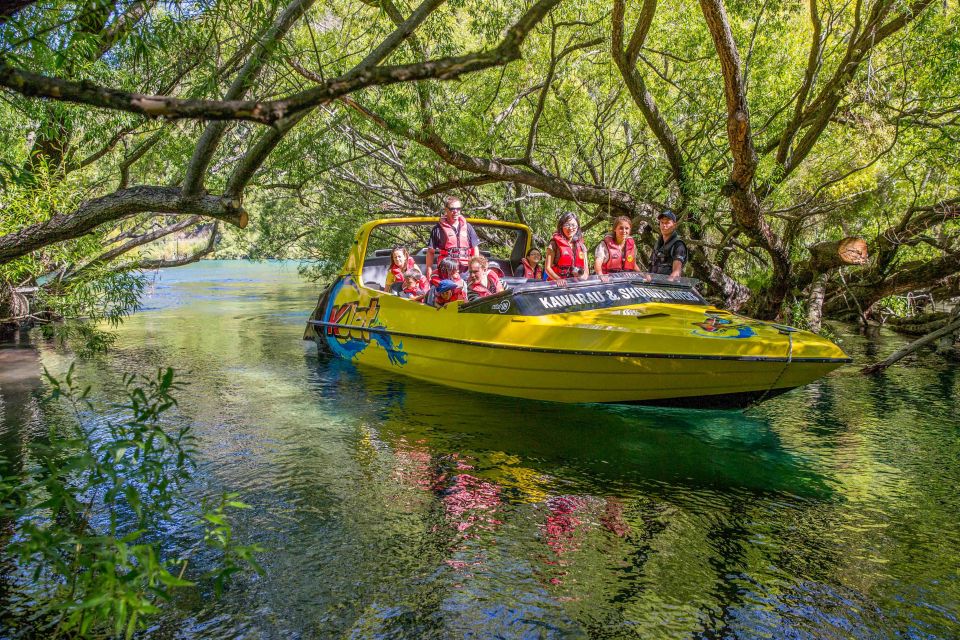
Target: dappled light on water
x=395 y=508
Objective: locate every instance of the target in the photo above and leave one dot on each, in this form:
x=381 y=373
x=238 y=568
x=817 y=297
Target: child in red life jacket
x=450 y=286
x=413 y=285
x=531 y=269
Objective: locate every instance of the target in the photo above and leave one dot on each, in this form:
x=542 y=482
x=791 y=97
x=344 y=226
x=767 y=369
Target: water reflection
x=603 y=506
x=393 y=508
x=620 y=447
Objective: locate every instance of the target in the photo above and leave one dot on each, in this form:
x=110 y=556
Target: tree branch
x=213 y=132
x=626 y=61
x=135 y=242
x=744 y=202
x=116 y=206
x=153 y=265
x=820 y=111
x=271 y=111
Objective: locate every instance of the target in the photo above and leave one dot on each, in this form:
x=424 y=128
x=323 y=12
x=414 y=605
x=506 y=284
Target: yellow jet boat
x=626 y=338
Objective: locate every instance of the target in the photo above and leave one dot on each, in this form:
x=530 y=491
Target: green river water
x=394 y=509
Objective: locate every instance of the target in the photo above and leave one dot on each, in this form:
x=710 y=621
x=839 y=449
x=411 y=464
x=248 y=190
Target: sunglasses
x=454 y=208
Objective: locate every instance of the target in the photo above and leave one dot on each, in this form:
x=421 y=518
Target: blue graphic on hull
x=715 y=326
x=343 y=342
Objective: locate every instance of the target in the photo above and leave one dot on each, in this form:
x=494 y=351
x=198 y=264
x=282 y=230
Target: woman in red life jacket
x=617 y=251
x=531 y=267
x=566 y=253
x=450 y=287
x=400 y=263
x=482 y=281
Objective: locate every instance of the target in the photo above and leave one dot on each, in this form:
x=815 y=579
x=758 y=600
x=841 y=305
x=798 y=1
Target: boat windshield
x=614 y=290
x=504 y=246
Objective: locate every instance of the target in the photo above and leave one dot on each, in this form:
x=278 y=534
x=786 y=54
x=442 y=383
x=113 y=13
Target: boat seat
x=375 y=267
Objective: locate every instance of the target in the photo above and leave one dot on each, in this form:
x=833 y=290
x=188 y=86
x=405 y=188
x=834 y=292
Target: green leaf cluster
x=86 y=505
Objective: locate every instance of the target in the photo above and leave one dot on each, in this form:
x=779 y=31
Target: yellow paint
x=645 y=351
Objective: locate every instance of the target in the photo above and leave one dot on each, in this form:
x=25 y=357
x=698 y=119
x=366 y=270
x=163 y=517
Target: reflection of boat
x=626 y=339
x=595 y=449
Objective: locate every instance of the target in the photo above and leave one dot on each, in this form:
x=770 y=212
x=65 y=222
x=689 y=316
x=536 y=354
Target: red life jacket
x=454 y=294
x=529 y=272
x=617 y=260
x=456 y=241
x=412 y=292
x=567 y=256
x=398 y=271
x=450 y=296
x=491 y=287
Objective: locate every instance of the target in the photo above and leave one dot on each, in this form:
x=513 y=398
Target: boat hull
x=645 y=353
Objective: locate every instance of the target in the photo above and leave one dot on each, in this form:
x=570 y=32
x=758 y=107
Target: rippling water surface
x=392 y=508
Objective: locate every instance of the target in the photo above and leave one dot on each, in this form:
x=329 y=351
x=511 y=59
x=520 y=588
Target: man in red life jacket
x=617 y=251
x=452 y=237
x=482 y=282
x=449 y=288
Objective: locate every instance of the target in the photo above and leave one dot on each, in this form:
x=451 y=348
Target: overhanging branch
x=270 y=111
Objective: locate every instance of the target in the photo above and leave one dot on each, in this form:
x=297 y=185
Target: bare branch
x=213 y=132
x=135 y=242
x=820 y=111
x=116 y=206
x=153 y=265
x=626 y=61
x=124 y=23
x=744 y=202
x=809 y=76
x=613 y=199
x=268 y=141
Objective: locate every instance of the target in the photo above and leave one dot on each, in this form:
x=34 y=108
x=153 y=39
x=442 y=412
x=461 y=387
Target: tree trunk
x=815 y=302
x=915 y=345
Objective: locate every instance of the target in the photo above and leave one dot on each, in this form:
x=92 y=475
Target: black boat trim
x=575 y=352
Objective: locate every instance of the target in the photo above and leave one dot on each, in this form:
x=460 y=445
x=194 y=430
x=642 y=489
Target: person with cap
x=449 y=287
x=669 y=253
x=452 y=237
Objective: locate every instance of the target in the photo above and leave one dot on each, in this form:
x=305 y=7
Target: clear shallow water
x=395 y=509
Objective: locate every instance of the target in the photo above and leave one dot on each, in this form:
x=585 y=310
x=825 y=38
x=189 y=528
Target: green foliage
x=85 y=338
x=795 y=314
x=86 y=507
x=891 y=142
x=97 y=296
x=896 y=306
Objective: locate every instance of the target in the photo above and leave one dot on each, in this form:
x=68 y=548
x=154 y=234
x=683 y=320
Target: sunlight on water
x=392 y=508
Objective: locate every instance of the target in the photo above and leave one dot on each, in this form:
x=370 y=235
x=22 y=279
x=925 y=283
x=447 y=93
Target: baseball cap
x=446 y=285
x=666 y=213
